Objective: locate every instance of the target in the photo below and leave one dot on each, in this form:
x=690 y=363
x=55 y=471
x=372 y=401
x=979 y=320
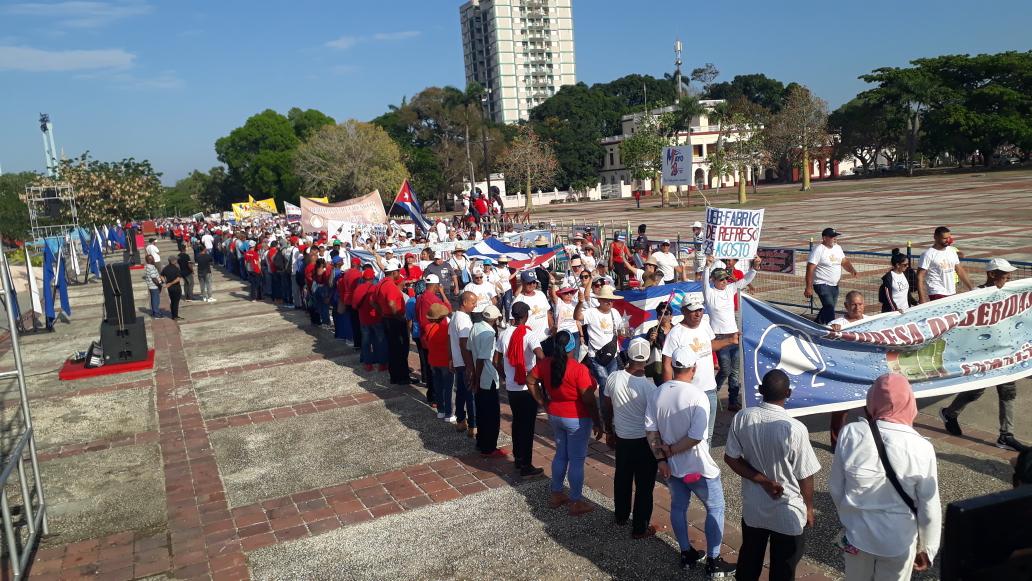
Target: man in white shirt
x=719 y=290
x=935 y=274
x=516 y=364
x=485 y=383
x=541 y=319
x=485 y=292
x=823 y=272
x=676 y=420
x=772 y=453
x=854 y=305
x=698 y=239
x=694 y=332
x=152 y=250
x=462 y=361
x=627 y=394
x=208 y=240
x=666 y=262
x=601 y=324
x=460 y=269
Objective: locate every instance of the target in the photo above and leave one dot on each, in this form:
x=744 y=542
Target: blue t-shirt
x=410 y=314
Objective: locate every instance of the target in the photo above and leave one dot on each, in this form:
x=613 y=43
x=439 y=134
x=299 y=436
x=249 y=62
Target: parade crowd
x=552 y=341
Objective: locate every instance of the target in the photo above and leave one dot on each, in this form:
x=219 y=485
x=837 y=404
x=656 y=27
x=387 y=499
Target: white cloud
x=348 y=41
x=405 y=34
x=344 y=42
x=28 y=59
x=81 y=14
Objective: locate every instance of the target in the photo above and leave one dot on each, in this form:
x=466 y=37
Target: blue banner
x=969 y=341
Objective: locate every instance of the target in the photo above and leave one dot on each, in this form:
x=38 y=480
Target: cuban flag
x=519 y=258
x=638 y=307
x=406 y=200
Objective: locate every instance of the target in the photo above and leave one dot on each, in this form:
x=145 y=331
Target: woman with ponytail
x=565 y=387
x=894 y=292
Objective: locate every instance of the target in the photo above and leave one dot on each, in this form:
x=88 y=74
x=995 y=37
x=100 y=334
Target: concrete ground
x=257 y=447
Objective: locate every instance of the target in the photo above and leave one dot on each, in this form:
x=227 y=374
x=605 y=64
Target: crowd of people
x=552 y=341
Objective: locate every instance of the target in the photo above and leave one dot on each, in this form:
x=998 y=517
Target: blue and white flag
x=968 y=341
x=95 y=258
x=406 y=200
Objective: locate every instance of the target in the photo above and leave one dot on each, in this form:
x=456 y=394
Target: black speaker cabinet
x=118 y=294
x=123 y=344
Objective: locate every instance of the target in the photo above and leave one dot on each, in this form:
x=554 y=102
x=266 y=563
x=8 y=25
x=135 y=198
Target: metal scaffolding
x=23 y=509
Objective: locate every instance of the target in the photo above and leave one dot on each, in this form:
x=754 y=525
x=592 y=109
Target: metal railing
x=25 y=522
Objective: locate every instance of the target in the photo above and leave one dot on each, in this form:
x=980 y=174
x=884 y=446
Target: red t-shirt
x=438 y=348
x=481 y=206
x=346 y=285
x=423 y=304
x=309 y=274
x=270 y=256
x=388 y=298
x=565 y=400
x=251 y=258
x=616 y=250
x=363 y=301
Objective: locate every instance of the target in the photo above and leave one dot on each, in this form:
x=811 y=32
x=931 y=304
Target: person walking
x=772 y=453
x=894 y=292
x=884 y=483
x=998 y=273
x=204 y=260
x=823 y=272
x=519 y=349
x=939 y=268
x=627 y=392
x=485 y=382
x=565 y=388
x=186 y=272
x=719 y=291
x=173 y=282
x=152 y=277
x=677 y=427
x=435 y=337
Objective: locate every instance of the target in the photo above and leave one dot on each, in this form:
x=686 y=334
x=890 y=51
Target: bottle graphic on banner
x=925 y=363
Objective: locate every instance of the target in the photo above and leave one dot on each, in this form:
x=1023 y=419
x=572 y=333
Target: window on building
x=697 y=151
x=611 y=158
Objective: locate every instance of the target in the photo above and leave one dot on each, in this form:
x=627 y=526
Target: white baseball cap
x=692 y=305
x=639 y=349
x=478 y=271
x=391 y=265
x=684 y=358
x=491 y=313
x=697 y=224
x=1000 y=264
x=432 y=279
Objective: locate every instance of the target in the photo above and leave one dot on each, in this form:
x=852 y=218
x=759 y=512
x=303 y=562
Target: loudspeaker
x=123 y=344
x=118 y=294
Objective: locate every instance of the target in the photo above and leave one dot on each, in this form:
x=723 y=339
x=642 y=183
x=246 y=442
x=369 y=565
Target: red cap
x=293 y=239
x=368 y=274
x=355 y=261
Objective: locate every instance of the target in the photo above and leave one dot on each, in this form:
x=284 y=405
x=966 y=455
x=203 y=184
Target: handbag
x=889 y=471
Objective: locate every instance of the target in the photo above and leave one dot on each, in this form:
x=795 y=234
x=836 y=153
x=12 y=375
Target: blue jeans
x=374 y=345
x=829 y=298
x=711 y=492
x=729 y=358
x=465 y=405
x=155 y=301
x=601 y=372
x=322 y=294
x=443 y=389
x=712 y=394
x=571 y=447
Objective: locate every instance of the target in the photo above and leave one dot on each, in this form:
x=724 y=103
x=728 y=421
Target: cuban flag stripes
x=406 y=200
x=638 y=307
x=519 y=258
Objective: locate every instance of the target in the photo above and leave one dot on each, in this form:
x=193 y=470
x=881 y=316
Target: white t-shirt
x=531 y=341
x=152 y=250
x=458 y=328
x=442 y=231
x=900 y=290
x=630 y=395
x=602 y=327
x=720 y=304
x=699 y=340
x=432 y=237
x=940 y=266
x=485 y=291
x=844 y=322
x=828 y=262
x=678 y=409
x=666 y=262
x=564 y=316
x=588 y=262
x=209 y=241
x=539 y=308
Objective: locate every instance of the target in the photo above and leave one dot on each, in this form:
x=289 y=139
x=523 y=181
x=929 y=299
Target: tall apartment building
x=520 y=50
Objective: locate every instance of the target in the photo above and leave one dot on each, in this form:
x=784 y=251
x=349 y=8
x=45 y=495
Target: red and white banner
x=368 y=209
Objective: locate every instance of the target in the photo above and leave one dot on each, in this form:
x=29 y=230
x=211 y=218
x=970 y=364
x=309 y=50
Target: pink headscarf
x=892 y=399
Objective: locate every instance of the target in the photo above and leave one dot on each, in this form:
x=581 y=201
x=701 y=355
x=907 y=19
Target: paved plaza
x=258 y=448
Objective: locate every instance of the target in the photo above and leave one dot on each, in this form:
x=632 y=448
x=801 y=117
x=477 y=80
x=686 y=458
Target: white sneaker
x=211 y=300
x=452 y=420
x=440 y=416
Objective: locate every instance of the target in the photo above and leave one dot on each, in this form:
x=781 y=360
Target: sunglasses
x=596 y=284
x=586 y=277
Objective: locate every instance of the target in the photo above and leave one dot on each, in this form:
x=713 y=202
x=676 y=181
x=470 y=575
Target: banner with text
x=367 y=209
x=677 y=165
x=969 y=341
x=732 y=233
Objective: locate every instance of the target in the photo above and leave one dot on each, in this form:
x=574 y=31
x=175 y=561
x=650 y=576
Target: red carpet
x=72 y=371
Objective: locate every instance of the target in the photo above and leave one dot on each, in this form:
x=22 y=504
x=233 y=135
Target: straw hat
x=541 y=241
x=607 y=293
x=437 y=312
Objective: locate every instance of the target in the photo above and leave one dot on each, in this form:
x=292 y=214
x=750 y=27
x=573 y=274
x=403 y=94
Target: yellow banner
x=268 y=204
x=244 y=210
x=320 y=200
x=250 y=198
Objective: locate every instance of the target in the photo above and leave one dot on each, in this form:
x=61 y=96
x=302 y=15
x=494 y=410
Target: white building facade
x=521 y=51
x=702 y=137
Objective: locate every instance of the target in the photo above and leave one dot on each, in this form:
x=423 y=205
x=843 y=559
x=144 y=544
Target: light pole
x=485 y=100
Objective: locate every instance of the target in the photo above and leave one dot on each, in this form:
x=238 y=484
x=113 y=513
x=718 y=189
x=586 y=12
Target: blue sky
x=163 y=80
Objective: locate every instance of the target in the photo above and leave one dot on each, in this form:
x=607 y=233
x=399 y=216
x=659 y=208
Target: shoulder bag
x=889 y=472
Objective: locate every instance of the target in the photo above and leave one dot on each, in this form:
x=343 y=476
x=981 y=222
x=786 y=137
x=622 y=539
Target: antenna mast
x=677 y=68
x=49 y=149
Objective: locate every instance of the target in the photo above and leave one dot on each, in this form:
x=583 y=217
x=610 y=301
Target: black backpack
x=280 y=261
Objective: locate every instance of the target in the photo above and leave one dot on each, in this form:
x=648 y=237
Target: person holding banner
x=854 y=305
x=823 y=272
x=939 y=268
x=719 y=291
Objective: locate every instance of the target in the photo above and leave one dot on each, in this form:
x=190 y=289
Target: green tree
x=308 y=121
x=349 y=160
x=798 y=132
x=865 y=129
x=184 y=197
x=757 y=88
x=531 y=160
x=642 y=152
x=739 y=146
x=14 y=214
x=110 y=191
x=573 y=122
x=260 y=156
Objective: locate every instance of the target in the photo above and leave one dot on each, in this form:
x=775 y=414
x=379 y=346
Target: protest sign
x=677 y=165
x=968 y=341
x=732 y=233
x=268 y=204
x=367 y=209
x=777 y=260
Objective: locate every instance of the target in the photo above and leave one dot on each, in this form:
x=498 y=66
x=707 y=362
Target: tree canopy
x=349 y=160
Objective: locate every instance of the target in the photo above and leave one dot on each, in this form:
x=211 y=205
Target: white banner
x=732 y=233
x=677 y=165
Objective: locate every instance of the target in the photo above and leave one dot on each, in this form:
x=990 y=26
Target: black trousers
x=524 y=415
x=489 y=419
x=356 y=328
x=424 y=369
x=174 y=296
x=397 y=350
x=785 y=553
x=635 y=468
